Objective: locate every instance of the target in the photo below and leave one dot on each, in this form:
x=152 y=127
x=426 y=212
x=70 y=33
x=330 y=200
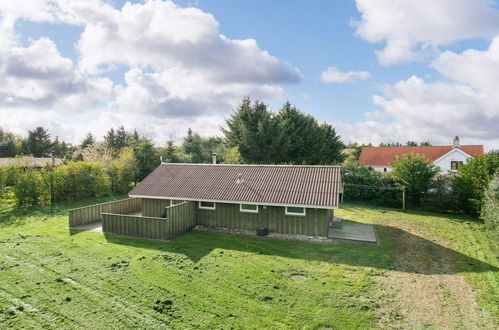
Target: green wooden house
x=286 y=199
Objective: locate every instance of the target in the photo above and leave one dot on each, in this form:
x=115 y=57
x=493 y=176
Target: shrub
x=9 y=174
x=472 y=180
x=78 y=180
x=490 y=209
x=363 y=184
x=415 y=172
x=441 y=195
x=29 y=188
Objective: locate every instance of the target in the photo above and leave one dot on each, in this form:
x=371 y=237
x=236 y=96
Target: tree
x=57 y=147
x=300 y=136
x=330 y=147
x=232 y=156
x=110 y=139
x=146 y=155
x=415 y=172
x=472 y=179
x=38 y=142
x=10 y=144
x=121 y=138
x=173 y=154
x=351 y=153
x=122 y=172
x=98 y=152
x=88 y=140
x=254 y=130
x=193 y=147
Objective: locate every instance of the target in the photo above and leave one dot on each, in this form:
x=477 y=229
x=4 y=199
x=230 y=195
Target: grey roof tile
x=273 y=184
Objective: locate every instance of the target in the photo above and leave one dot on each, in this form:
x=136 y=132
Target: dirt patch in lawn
x=426 y=292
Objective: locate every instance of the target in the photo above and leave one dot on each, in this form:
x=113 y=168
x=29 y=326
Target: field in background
x=429 y=270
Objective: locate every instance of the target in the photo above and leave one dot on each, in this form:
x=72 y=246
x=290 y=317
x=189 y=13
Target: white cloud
x=181 y=72
x=417 y=110
x=411 y=29
x=478 y=69
x=40 y=77
x=333 y=75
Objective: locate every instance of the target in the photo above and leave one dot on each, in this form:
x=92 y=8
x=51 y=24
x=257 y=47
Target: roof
x=383 y=156
x=307 y=186
x=30 y=161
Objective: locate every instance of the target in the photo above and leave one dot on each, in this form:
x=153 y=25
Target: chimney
x=455 y=143
x=214 y=158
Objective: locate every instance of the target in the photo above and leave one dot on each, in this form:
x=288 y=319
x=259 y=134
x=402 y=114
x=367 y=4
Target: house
x=447 y=158
x=174 y=198
x=282 y=198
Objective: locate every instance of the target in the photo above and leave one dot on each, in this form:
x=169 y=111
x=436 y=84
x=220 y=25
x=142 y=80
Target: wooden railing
x=180 y=219
x=92 y=213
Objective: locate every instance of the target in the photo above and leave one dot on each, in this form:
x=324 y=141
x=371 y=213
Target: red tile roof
x=314 y=186
x=383 y=156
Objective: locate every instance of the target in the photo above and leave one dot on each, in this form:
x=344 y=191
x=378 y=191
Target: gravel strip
x=290 y=237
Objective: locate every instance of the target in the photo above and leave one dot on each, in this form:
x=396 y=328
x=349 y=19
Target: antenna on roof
x=239 y=178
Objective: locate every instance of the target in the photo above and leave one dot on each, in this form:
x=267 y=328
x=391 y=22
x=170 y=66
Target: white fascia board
x=451 y=151
x=236 y=202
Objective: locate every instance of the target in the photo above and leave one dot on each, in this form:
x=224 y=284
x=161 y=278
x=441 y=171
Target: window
x=384 y=170
x=249 y=208
x=454 y=165
x=207 y=205
x=291 y=210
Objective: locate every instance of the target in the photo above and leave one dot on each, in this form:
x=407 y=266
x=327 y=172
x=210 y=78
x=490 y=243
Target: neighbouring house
x=288 y=199
x=30 y=162
x=447 y=158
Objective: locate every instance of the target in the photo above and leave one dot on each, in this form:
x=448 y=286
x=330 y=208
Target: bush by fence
x=364 y=184
x=73 y=181
x=490 y=209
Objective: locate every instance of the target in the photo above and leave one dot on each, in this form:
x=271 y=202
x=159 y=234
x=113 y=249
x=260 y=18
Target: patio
x=353 y=231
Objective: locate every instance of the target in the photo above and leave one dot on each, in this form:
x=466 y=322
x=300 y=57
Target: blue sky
x=413 y=88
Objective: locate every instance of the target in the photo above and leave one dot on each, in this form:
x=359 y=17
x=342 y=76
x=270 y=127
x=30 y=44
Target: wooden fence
x=180 y=219
x=91 y=213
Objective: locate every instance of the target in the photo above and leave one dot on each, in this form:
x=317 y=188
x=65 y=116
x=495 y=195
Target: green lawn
x=429 y=271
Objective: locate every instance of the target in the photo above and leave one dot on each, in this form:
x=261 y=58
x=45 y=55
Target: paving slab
x=354 y=231
x=91 y=226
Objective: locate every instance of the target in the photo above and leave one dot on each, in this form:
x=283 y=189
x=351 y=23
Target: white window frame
x=207 y=207
x=295 y=213
x=247 y=211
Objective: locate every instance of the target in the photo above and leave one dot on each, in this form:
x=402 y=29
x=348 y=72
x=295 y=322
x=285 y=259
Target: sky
x=377 y=70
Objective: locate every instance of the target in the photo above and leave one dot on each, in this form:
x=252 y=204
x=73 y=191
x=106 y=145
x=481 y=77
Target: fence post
x=403 y=198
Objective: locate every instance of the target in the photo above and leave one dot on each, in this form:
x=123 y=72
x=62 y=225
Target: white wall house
x=447 y=158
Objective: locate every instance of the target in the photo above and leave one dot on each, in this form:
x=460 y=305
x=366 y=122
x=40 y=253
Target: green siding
x=181 y=218
x=154 y=207
x=315 y=223
x=91 y=213
x=128 y=225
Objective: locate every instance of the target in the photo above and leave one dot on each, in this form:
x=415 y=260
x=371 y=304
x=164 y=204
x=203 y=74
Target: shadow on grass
x=399 y=250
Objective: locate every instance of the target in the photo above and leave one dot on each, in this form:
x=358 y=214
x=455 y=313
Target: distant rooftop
x=30 y=161
x=383 y=156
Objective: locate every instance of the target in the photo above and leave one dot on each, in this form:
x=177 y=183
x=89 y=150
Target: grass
x=429 y=271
